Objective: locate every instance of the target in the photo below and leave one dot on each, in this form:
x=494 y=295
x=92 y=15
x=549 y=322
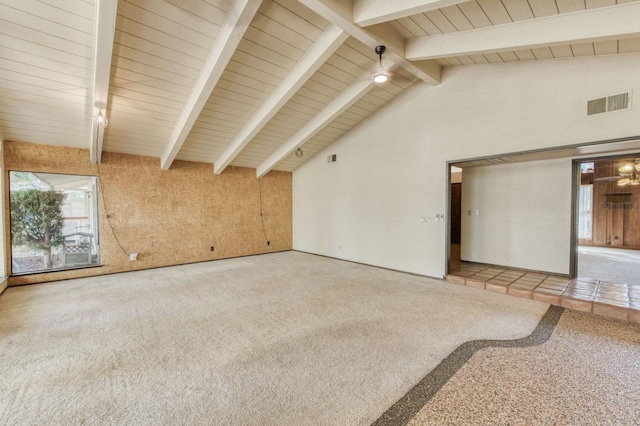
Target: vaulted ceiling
x=247 y=82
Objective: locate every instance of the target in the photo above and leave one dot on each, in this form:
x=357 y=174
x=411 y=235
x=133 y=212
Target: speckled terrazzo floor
x=412 y=403
x=587 y=373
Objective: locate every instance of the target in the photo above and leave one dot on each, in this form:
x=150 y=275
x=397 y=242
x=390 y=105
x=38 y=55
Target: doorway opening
x=577 y=208
x=455 y=216
x=608 y=210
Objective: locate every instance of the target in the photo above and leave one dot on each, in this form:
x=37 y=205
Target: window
x=54 y=222
x=585 y=205
x=586 y=167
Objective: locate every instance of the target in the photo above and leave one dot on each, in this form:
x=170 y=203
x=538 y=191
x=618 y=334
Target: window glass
x=586 y=167
x=54 y=223
x=586 y=203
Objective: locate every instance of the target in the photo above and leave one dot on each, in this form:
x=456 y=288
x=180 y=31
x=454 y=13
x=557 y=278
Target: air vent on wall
x=332 y=158
x=617 y=102
x=597 y=106
x=610 y=103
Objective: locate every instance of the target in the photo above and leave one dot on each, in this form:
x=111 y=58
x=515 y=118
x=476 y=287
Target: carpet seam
x=417 y=397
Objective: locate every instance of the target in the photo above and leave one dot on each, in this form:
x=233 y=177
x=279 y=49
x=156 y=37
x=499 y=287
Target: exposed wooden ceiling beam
x=608 y=23
x=104 y=32
x=348 y=97
x=238 y=20
x=370 y=12
x=322 y=49
x=340 y=12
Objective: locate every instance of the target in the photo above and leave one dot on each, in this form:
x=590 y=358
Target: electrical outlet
x=133 y=256
x=212 y=248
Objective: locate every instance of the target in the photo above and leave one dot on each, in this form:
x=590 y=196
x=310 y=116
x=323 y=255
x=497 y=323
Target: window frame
x=93 y=219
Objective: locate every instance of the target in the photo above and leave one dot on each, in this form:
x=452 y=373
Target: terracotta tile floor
x=620 y=301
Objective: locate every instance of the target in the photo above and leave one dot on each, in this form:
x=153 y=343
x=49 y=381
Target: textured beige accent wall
x=168 y=217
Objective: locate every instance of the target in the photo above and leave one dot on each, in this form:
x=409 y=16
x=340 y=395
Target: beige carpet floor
x=280 y=339
x=587 y=373
x=614 y=265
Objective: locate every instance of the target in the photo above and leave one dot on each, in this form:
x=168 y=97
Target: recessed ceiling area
x=247 y=83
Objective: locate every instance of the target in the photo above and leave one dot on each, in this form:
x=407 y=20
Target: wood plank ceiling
x=246 y=82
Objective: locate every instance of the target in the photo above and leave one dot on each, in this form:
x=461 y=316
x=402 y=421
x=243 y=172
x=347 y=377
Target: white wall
x=518 y=215
x=391 y=170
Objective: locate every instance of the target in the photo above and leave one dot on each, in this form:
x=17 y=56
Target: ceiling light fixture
x=381 y=74
x=629 y=173
x=100 y=120
x=299 y=153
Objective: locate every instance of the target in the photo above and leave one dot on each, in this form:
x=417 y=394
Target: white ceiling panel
x=377 y=97
x=159 y=51
x=278 y=38
x=45 y=72
x=334 y=76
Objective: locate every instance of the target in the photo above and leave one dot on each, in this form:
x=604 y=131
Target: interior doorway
x=603 y=256
x=455 y=215
x=613 y=149
x=455 y=207
x=609 y=220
